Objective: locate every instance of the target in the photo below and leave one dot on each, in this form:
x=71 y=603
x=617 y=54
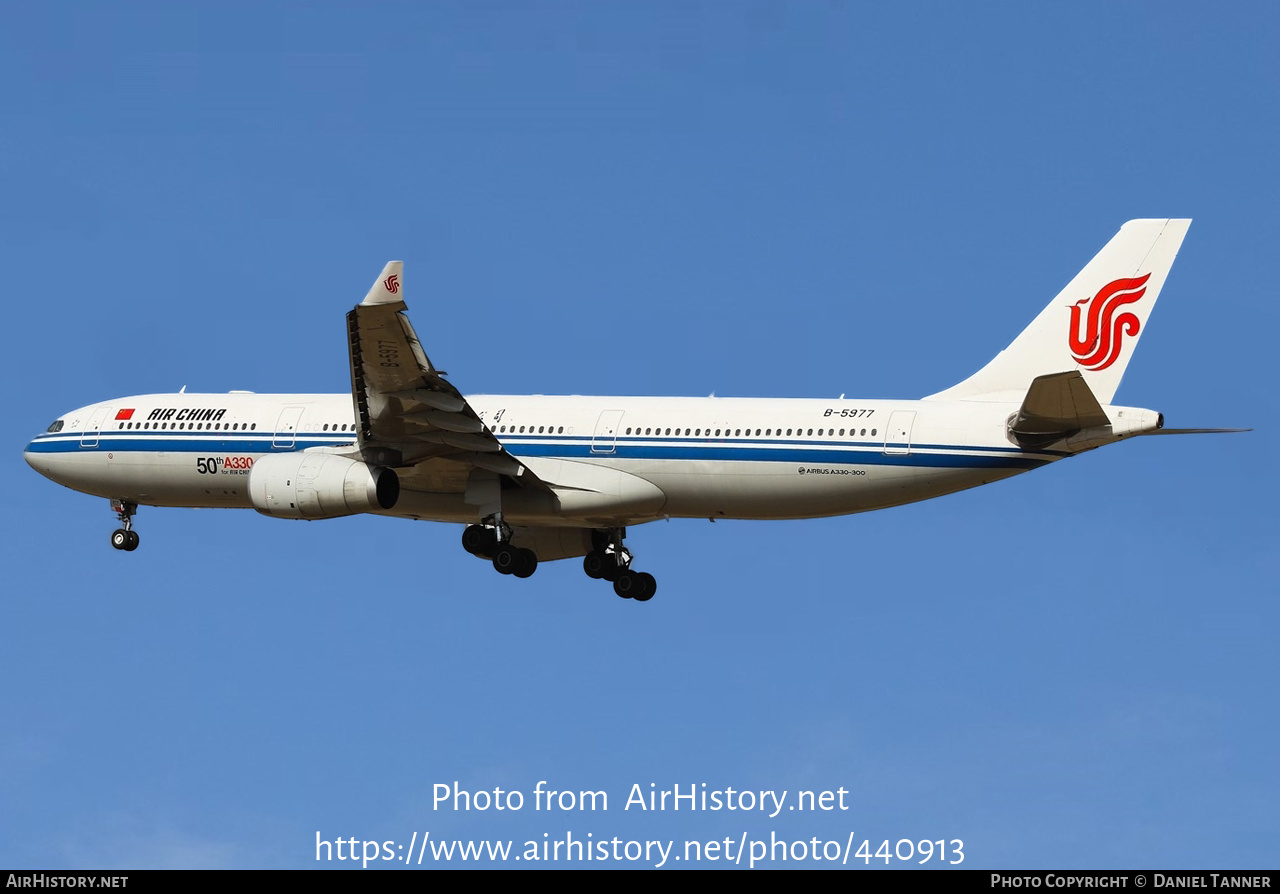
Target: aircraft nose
x=37 y=461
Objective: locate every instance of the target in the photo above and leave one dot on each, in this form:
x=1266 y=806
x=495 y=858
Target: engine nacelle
x=320 y=485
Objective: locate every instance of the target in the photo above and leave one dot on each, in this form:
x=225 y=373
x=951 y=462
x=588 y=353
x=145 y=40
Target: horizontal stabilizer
x=1056 y=406
x=1195 y=431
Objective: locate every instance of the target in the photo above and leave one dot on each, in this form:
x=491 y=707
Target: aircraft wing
x=410 y=417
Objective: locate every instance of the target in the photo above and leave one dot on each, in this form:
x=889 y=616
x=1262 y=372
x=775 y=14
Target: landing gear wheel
x=479 y=540
x=124 y=537
x=648 y=586
x=627 y=585
x=506 y=560
x=526 y=562
x=594 y=564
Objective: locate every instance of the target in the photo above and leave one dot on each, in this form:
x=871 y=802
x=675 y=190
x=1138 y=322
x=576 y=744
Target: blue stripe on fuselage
x=928 y=455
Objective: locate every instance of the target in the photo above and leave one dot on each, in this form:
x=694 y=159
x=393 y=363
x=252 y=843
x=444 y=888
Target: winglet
x=387 y=288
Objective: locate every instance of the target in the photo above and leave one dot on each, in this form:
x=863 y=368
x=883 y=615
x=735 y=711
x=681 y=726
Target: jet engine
x=320 y=485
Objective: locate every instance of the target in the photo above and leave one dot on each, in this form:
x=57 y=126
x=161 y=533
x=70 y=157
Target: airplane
x=541 y=478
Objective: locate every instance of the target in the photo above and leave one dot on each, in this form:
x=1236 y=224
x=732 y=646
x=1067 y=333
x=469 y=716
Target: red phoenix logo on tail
x=392 y=283
x=1099 y=345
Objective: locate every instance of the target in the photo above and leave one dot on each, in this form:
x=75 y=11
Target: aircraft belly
x=177 y=479
x=702 y=489
x=529 y=507
x=442 y=507
x=772 y=490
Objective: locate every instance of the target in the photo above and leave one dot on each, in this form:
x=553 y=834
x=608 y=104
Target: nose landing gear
x=125 y=537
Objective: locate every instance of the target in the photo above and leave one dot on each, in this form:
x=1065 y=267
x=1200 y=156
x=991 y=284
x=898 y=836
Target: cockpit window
x=57 y=426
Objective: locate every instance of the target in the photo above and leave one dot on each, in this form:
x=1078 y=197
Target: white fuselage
x=679 y=457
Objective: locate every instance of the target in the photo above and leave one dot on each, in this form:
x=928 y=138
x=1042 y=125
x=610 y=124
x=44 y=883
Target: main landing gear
x=611 y=561
x=125 y=538
x=608 y=560
x=493 y=541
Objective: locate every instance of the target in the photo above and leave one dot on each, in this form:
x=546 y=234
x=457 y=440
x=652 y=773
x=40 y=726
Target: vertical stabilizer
x=1094 y=323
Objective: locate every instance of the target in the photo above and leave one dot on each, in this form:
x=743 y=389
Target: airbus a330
x=538 y=478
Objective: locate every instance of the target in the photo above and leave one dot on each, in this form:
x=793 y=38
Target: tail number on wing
x=388 y=354
x=232 y=465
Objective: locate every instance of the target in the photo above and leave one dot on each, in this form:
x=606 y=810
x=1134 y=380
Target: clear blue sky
x=1075 y=667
